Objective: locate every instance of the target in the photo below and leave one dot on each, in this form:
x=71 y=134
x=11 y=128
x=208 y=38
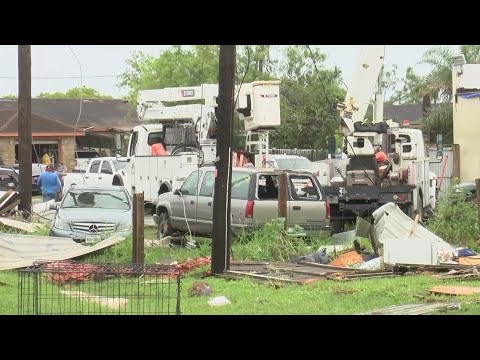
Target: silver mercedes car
x=91 y=213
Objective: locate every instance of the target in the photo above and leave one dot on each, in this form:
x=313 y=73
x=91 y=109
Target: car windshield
x=97 y=199
x=293 y=163
x=119 y=165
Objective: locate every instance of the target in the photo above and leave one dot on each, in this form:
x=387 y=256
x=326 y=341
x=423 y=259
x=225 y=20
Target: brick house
x=104 y=125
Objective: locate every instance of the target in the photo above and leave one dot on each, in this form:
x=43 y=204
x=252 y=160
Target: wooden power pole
x=223 y=166
x=25 y=127
x=138 y=219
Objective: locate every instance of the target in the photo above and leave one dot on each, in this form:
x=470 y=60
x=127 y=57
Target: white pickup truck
x=100 y=171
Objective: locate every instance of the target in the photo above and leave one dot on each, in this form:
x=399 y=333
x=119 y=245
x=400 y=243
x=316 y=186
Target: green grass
x=253 y=298
x=324 y=297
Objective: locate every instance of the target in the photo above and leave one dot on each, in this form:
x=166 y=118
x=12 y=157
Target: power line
x=61 y=77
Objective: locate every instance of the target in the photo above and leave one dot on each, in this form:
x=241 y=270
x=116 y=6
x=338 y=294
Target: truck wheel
x=420 y=208
x=164 y=226
x=337 y=226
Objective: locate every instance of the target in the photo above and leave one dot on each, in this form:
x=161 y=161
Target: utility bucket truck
x=369 y=179
x=184 y=119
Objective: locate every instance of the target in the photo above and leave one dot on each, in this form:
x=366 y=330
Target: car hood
x=95 y=215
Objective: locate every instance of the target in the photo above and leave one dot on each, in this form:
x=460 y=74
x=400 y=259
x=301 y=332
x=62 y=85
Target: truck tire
x=164 y=226
x=420 y=208
x=338 y=226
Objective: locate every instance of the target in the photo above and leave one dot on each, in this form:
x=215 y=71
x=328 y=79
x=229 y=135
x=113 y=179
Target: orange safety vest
x=158 y=149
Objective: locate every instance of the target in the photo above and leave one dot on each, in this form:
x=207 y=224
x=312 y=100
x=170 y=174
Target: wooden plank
x=454 y=290
x=138 y=242
x=248 y=263
x=5 y=196
x=9 y=207
x=411 y=309
x=301 y=271
x=398 y=267
x=330 y=267
x=283 y=198
x=258 y=276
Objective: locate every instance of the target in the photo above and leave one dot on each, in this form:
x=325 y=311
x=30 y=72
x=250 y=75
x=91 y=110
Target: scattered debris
x=347 y=259
x=374 y=264
x=454 y=290
x=403 y=268
x=320 y=257
x=42 y=208
x=469 y=260
x=112 y=303
x=469 y=273
x=64 y=272
x=9 y=201
x=414 y=309
x=371 y=274
x=343 y=238
x=299 y=273
x=344 y=291
x=191 y=264
x=403 y=239
x=20 y=251
x=199 y=289
x=218 y=301
x=21 y=225
x=167 y=262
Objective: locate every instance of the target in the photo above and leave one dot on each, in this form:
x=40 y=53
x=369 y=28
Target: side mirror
x=177 y=192
x=53 y=206
x=439 y=145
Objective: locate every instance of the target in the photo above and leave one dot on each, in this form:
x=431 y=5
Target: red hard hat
x=380 y=156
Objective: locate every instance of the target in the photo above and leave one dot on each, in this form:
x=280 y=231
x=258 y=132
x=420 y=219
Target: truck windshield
x=293 y=163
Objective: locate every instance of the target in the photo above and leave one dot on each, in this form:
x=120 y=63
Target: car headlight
x=124 y=227
x=61 y=224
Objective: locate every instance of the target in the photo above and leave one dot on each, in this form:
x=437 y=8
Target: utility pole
x=25 y=127
x=223 y=165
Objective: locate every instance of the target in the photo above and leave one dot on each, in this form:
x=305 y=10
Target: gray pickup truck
x=254 y=202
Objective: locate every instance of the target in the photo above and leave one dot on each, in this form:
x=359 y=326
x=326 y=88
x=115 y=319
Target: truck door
x=266 y=203
x=307 y=206
x=106 y=173
x=184 y=206
x=91 y=176
x=205 y=203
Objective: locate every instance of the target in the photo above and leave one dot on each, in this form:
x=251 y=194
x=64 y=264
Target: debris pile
x=8 y=202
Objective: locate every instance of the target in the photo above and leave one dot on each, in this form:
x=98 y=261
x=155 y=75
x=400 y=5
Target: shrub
x=455 y=220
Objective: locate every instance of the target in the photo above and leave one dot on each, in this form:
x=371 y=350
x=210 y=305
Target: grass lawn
x=251 y=298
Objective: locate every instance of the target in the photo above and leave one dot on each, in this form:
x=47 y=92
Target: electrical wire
x=61 y=77
x=80 y=109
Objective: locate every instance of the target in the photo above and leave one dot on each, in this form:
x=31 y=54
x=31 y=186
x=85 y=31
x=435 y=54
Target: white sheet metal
x=470 y=79
x=17 y=251
x=393 y=223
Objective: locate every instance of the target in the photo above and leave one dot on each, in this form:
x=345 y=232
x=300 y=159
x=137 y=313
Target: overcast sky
x=54 y=67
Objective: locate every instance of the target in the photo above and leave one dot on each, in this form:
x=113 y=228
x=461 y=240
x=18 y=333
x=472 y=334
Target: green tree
x=389 y=82
x=440 y=119
x=471 y=53
x=174 y=67
x=412 y=91
x=9 y=96
x=307 y=99
x=75 y=93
